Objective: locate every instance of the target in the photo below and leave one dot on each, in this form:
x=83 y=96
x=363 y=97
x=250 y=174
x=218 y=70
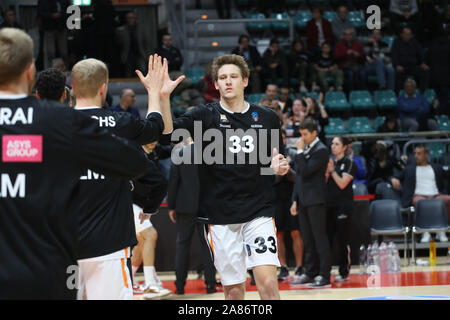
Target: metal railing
x=231 y=21
x=423 y=141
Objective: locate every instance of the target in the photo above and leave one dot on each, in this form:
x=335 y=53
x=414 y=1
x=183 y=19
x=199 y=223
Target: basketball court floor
x=413 y=282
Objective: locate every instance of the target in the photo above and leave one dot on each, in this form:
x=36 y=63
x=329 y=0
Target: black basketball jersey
x=233 y=151
x=105 y=203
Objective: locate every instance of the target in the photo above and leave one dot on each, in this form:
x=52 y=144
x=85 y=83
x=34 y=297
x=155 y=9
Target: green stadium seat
x=430 y=95
x=361 y=100
x=437 y=149
x=443 y=122
x=379 y=121
x=255 y=97
x=385 y=99
x=330 y=15
x=257 y=26
x=336 y=101
x=402 y=92
x=360 y=125
x=389 y=40
x=194 y=74
x=301 y=18
x=335 y=126
x=280 y=25
x=357 y=19
x=294 y=82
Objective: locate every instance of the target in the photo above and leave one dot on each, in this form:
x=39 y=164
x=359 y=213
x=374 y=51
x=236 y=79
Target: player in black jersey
x=107 y=231
x=340 y=175
x=46 y=147
x=233 y=147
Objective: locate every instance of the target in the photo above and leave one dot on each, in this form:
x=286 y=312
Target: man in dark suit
x=183 y=199
x=253 y=59
x=422 y=180
x=309 y=203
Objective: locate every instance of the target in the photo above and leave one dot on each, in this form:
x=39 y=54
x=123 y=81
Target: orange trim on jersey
x=124 y=272
x=211 y=242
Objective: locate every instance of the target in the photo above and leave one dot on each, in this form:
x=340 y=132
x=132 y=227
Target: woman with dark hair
x=316 y=110
x=301 y=67
x=340 y=173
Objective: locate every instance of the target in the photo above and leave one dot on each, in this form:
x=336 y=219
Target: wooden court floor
x=413 y=281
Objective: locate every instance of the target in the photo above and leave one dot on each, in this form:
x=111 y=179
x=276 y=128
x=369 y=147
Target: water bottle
x=390 y=257
x=376 y=254
x=362 y=259
x=448 y=256
x=383 y=258
x=396 y=260
x=369 y=258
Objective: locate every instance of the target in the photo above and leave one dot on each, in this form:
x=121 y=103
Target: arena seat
x=301 y=18
x=280 y=26
x=330 y=15
x=259 y=26
x=430 y=95
x=255 y=97
x=385 y=99
x=335 y=126
x=361 y=100
x=379 y=121
x=336 y=101
x=389 y=40
x=443 y=122
x=437 y=149
x=194 y=74
x=357 y=19
x=360 y=125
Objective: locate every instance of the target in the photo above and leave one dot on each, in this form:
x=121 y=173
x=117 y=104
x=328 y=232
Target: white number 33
x=248 y=144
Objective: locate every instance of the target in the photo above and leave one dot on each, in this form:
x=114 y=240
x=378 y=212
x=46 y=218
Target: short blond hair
x=16 y=54
x=235 y=59
x=88 y=76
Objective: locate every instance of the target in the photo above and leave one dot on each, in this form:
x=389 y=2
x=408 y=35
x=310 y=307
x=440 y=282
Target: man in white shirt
x=422 y=181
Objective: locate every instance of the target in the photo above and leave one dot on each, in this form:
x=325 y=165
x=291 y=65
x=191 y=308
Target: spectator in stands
x=275 y=63
x=285 y=100
x=50 y=85
x=350 y=57
x=427 y=28
x=10 y=20
x=52 y=15
x=265 y=101
x=127 y=99
x=408 y=59
x=422 y=180
x=294 y=121
x=271 y=91
x=403 y=13
x=318 y=31
x=378 y=63
x=286 y=223
x=275 y=106
x=105 y=33
x=206 y=86
x=134 y=46
x=442 y=23
x=341 y=23
x=253 y=59
x=175 y=61
x=381 y=163
x=414 y=110
x=439 y=61
x=326 y=66
x=360 y=162
x=301 y=66
x=317 y=113
x=390 y=124
x=59 y=64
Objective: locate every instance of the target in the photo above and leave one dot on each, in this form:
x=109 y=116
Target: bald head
x=127 y=98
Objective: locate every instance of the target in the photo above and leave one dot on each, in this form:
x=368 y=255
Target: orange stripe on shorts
x=124 y=273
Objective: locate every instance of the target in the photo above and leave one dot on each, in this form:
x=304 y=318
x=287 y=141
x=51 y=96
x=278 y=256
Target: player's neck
x=14 y=89
x=236 y=104
x=89 y=102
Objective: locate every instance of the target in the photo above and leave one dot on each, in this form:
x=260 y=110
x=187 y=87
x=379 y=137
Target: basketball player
x=107 y=231
x=45 y=148
x=148 y=193
x=236 y=199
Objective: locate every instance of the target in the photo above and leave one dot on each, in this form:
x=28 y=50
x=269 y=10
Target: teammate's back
x=45 y=149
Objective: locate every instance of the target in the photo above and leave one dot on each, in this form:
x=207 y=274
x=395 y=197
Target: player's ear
x=216 y=85
x=245 y=80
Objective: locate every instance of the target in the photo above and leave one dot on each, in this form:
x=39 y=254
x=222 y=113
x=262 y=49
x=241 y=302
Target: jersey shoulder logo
x=223 y=118
x=22 y=148
x=255 y=116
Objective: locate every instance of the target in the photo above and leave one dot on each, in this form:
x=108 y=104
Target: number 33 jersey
x=233 y=151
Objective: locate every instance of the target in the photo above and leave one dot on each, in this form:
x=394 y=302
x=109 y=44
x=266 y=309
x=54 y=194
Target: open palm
x=168 y=84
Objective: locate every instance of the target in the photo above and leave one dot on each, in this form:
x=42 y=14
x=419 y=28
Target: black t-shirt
x=46 y=147
x=231 y=192
x=325 y=62
x=105 y=204
x=336 y=196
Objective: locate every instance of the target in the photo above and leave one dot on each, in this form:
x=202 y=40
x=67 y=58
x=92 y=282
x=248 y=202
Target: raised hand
x=168 y=84
x=153 y=81
x=279 y=163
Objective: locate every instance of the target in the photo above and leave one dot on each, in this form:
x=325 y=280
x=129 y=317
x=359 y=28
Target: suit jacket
x=310 y=187
x=184 y=185
x=408 y=179
x=313 y=32
x=143 y=39
x=254 y=56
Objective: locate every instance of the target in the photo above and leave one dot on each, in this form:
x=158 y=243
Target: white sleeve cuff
x=153 y=112
x=299 y=151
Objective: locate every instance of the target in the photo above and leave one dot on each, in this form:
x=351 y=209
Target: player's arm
x=172 y=189
x=153 y=82
x=97 y=149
